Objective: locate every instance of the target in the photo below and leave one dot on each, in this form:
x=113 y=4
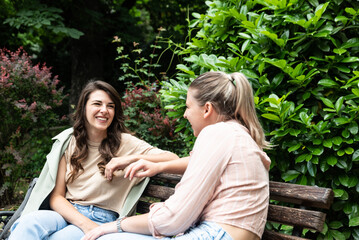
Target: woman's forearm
x=161 y=157
x=136 y=224
x=177 y=166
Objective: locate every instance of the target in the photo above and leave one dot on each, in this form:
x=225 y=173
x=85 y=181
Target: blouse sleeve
x=211 y=153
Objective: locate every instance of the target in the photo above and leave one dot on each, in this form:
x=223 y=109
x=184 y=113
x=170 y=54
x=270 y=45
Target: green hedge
x=301 y=57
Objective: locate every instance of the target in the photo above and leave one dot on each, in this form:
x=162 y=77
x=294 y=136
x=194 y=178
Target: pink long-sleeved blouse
x=226 y=181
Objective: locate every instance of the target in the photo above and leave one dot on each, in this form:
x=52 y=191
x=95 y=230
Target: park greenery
x=301 y=58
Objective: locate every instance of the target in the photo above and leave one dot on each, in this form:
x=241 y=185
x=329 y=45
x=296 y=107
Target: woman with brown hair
x=82 y=197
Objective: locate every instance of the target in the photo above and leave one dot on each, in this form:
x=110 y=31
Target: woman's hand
x=118 y=163
x=142 y=168
x=103 y=229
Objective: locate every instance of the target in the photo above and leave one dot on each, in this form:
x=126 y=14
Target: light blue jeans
x=49 y=225
x=204 y=231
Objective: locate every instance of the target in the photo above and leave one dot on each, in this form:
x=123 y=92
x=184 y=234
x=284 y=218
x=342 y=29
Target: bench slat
x=302 y=195
x=158 y=191
x=161 y=188
x=309 y=219
x=285 y=192
x=285 y=215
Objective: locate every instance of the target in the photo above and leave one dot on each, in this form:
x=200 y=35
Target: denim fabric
x=49 y=225
x=204 y=231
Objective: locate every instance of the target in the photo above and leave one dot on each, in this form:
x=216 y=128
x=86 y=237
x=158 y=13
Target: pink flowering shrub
x=30 y=98
x=146 y=117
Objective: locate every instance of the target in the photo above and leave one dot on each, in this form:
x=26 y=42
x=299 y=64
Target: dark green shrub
x=30 y=100
x=302 y=60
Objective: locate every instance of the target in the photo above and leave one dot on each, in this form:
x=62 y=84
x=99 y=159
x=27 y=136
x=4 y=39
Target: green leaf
x=337 y=140
x=312 y=169
x=340 y=121
x=350 y=59
x=349 y=150
x=351 y=11
x=316 y=150
x=271 y=116
x=301 y=158
x=337 y=235
x=327 y=102
x=327 y=143
x=353 y=128
x=344 y=179
x=290 y=175
x=356 y=91
x=293 y=148
x=185 y=69
x=345 y=133
x=245 y=45
x=339 y=104
x=355 y=156
x=353 y=181
x=278 y=63
x=353 y=42
x=341 y=19
x=354 y=222
x=332 y=160
x=335 y=224
x=328 y=83
x=338 y=192
x=234 y=46
x=339 y=51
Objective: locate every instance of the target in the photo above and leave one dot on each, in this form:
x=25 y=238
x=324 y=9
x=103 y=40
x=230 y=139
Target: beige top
x=226 y=182
x=92 y=188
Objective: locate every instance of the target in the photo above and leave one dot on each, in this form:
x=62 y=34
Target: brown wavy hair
x=110 y=144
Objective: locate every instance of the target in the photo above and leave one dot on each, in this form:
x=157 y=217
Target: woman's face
x=195 y=113
x=100 y=111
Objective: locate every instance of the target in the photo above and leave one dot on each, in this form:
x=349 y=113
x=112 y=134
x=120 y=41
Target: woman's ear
x=208 y=110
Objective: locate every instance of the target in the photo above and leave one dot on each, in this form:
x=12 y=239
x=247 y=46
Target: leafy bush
x=302 y=60
x=144 y=114
x=29 y=105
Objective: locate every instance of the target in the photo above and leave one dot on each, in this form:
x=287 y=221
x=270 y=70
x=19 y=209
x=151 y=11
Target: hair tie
x=232 y=80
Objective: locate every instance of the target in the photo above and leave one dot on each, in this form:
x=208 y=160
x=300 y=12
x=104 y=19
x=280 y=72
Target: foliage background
x=31 y=101
x=302 y=60
x=300 y=56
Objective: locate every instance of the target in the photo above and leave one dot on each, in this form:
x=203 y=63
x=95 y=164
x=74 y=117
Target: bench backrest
x=290 y=204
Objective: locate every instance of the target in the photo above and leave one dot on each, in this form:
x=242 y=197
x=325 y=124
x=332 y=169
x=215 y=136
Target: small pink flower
x=32 y=106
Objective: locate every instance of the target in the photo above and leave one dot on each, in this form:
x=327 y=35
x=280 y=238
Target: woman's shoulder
x=128 y=137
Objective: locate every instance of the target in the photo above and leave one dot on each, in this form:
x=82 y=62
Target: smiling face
x=100 y=111
x=195 y=113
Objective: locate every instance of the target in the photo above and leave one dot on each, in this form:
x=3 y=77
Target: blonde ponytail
x=232 y=97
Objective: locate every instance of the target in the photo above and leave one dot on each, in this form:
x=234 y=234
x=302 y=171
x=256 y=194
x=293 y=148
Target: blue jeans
x=50 y=225
x=204 y=231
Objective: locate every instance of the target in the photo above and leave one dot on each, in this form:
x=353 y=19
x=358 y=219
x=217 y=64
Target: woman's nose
x=103 y=108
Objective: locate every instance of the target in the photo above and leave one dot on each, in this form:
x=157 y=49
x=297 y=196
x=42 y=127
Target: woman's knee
x=43 y=219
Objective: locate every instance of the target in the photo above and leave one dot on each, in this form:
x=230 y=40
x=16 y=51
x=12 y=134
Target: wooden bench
x=291 y=205
x=301 y=210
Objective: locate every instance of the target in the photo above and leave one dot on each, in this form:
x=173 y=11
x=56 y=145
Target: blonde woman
x=224 y=191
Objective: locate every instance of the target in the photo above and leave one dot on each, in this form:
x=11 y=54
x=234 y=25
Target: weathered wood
x=158 y=191
x=309 y=196
x=166 y=177
x=309 y=219
x=161 y=188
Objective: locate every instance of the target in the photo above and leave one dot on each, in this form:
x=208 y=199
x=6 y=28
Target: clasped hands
x=132 y=166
